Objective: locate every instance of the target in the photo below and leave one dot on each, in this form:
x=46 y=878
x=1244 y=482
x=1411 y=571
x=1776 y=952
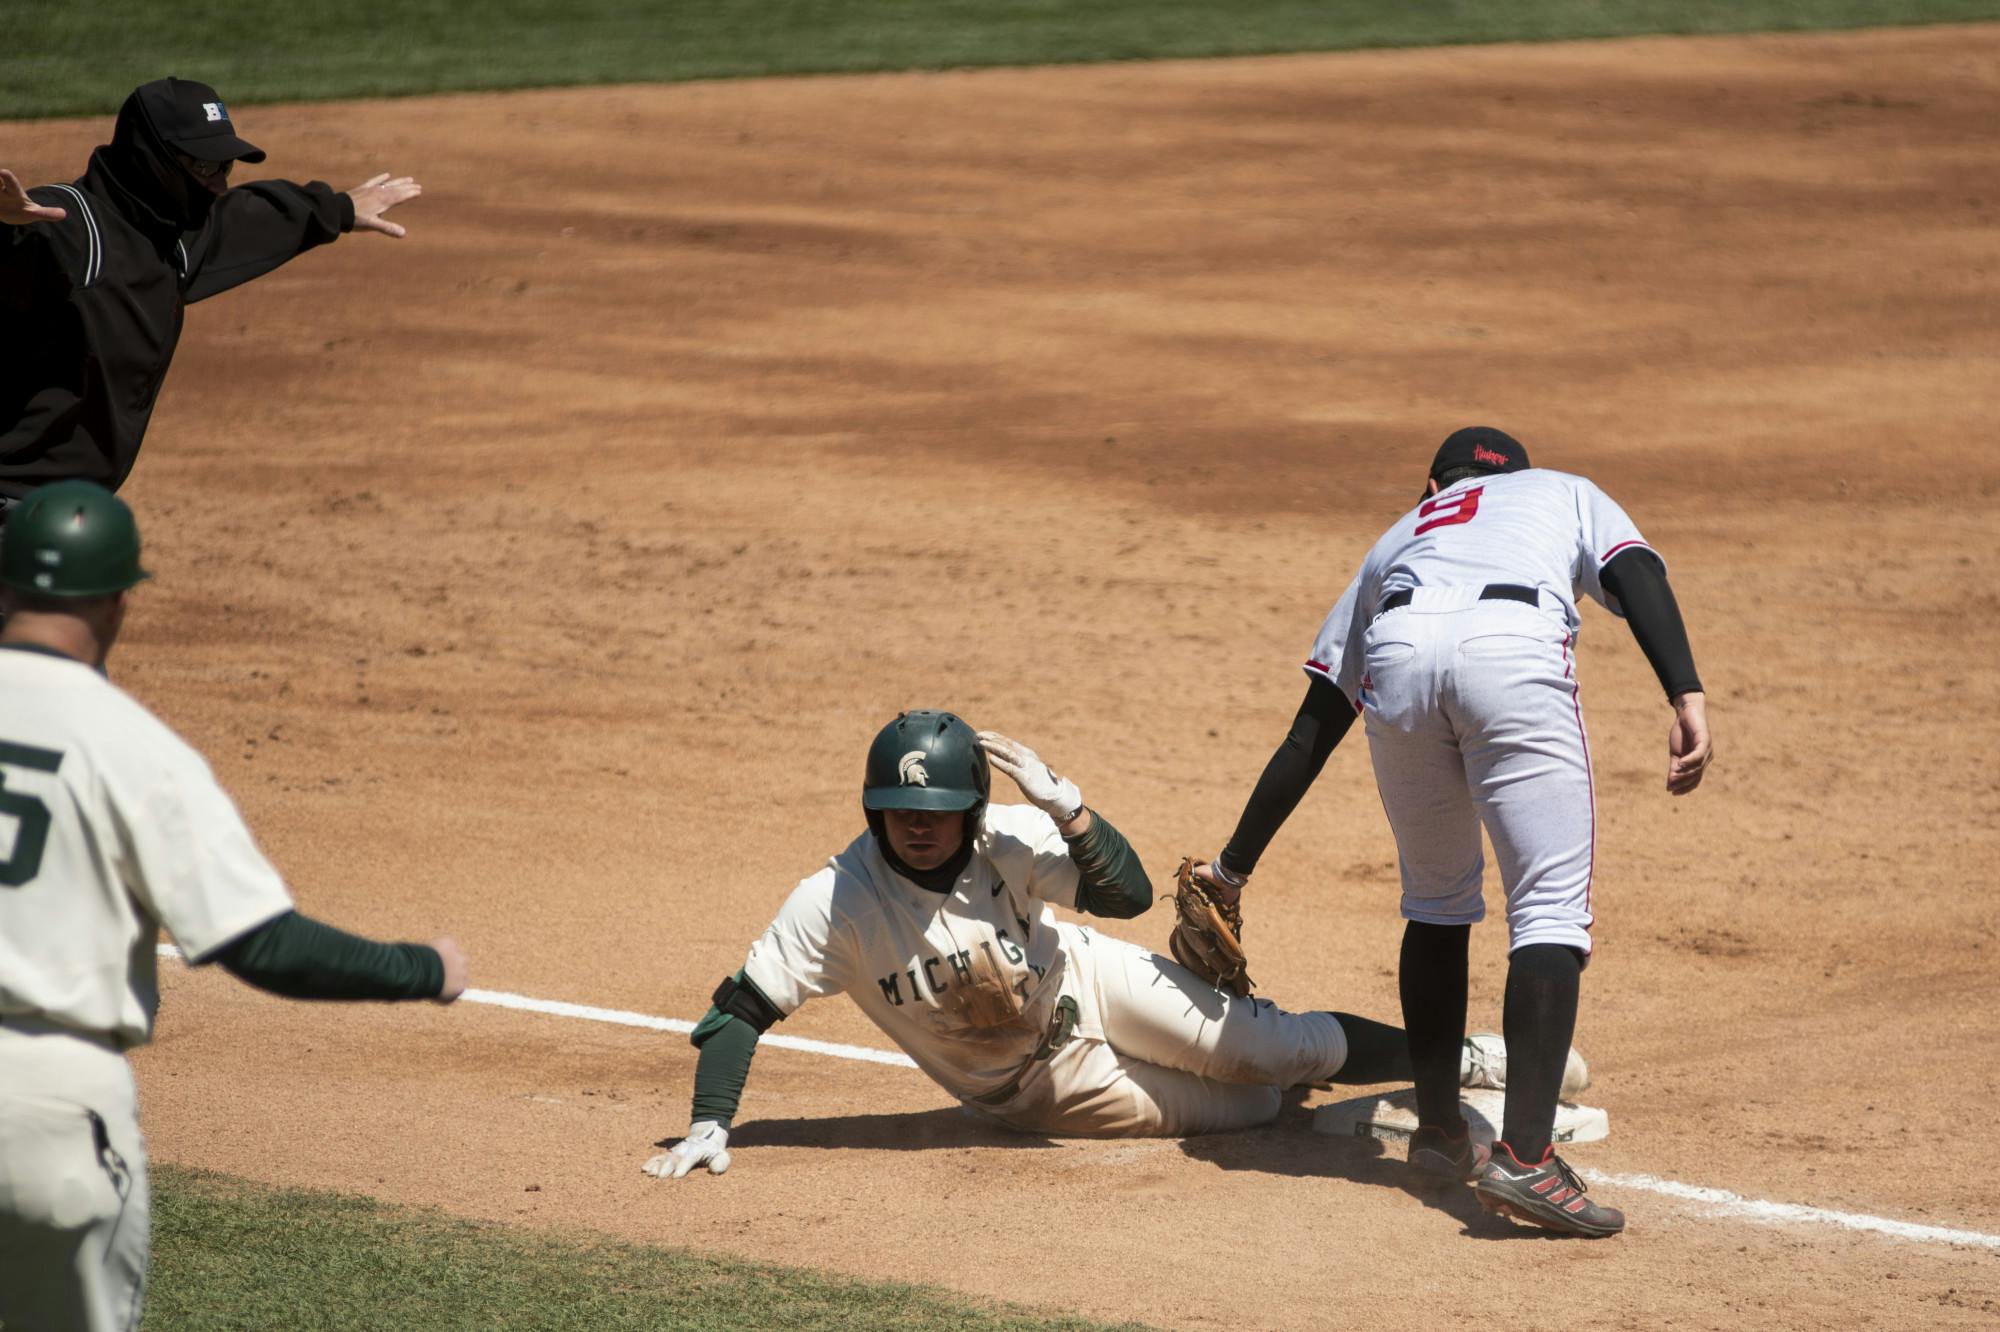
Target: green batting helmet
x=71 y=539
x=925 y=760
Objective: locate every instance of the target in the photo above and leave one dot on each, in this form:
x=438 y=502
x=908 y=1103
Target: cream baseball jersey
x=110 y=827
x=966 y=981
x=1535 y=528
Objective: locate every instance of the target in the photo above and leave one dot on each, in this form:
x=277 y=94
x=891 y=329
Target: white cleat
x=1484 y=1064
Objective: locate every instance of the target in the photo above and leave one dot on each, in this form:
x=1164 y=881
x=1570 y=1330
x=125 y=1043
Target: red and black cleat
x=1547 y=1194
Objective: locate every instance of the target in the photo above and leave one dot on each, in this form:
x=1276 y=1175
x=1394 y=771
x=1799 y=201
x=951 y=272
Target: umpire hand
x=376 y=196
x=17 y=209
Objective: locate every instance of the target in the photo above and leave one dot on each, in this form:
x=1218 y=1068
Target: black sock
x=1433 y=985
x=1542 y=985
x=1376 y=1052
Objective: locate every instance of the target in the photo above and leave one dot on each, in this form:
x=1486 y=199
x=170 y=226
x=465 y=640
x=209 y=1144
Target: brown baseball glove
x=1208 y=931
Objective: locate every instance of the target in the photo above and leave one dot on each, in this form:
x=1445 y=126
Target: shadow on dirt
x=1290 y=1147
x=914 y=1130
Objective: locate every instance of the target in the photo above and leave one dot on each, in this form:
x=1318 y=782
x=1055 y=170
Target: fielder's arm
x=1321 y=723
x=1639 y=582
x=301 y=958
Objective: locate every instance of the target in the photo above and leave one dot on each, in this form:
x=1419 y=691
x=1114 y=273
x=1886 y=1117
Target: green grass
x=231 y=1255
x=72 y=57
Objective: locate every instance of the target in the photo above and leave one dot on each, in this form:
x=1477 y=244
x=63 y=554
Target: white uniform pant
x=1473 y=718
x=1159 y=1052
x=74 y=1212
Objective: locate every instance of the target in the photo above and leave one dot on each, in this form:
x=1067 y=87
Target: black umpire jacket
x=91 y=307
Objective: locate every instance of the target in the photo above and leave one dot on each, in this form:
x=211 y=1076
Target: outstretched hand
x=17 y=209
x=1689 y=748
x=706 y=1143
x=376 y=196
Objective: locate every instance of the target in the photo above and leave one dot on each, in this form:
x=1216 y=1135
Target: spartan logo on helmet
x=910 y=769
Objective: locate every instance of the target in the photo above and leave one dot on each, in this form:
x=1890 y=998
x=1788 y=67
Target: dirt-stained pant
x=1159 y=1052
x=74 y=1214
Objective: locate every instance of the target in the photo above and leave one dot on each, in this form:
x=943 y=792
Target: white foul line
x=622 y=1018
x=1722 y=1202
x=1719 y=1202
x=556 y=1008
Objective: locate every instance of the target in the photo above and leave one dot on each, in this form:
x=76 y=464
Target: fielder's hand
x=376 y=196
x=706 y=1143
x=1055 y=796
x=1688 y=747
x=1225 y=886
x=17 y=209
x=1207 y=937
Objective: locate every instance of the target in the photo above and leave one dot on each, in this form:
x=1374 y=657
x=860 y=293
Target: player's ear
x=1431 y=486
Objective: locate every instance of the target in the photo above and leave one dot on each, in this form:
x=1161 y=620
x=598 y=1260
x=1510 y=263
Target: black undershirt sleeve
x=300 y=958
x=1639 y=581
x=1322 y=721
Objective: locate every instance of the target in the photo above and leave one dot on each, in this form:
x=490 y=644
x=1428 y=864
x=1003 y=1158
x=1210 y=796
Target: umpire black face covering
x=155 y=192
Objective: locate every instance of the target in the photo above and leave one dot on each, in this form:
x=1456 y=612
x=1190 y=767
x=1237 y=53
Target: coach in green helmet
x=940 y=922
x=111 y=830
x=70 y=551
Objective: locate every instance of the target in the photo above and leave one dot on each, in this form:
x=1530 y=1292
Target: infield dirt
x=540 y=579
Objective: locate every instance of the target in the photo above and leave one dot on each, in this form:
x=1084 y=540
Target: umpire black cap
x=1482 y=447
x=191 y=116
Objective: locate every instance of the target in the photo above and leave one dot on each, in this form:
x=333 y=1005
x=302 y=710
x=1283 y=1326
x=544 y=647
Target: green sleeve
x=300 y=958
x=1112 y=882
x=727 y=1042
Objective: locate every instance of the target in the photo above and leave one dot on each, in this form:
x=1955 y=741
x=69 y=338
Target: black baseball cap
x=191 y=116
x=1480 y=446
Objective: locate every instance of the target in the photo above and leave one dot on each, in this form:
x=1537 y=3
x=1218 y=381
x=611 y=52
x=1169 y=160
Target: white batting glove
x=706 y=1143
x=1055 y=796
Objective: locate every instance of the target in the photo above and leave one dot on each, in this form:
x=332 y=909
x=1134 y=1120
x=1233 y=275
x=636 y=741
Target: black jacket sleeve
x=1639 y=581
x=254 y=228
x=34 y=278
x=300 y=958
x=1321 y=723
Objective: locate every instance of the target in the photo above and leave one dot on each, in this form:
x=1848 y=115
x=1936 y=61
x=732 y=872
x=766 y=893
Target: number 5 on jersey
x=1451 y=510
x=28 y=814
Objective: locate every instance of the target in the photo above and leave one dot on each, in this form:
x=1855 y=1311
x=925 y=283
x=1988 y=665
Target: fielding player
x=938 y=921
x=1455 y=642
x=111 y=827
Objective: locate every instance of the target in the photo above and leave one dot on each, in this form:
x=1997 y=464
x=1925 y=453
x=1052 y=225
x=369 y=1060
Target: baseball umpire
x=937 y=920
x=110 y=827
x=95 y=275
x=1455 y=642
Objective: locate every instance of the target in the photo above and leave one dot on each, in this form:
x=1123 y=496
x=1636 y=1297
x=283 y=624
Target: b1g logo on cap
x=910 y=768
x=215 y=111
